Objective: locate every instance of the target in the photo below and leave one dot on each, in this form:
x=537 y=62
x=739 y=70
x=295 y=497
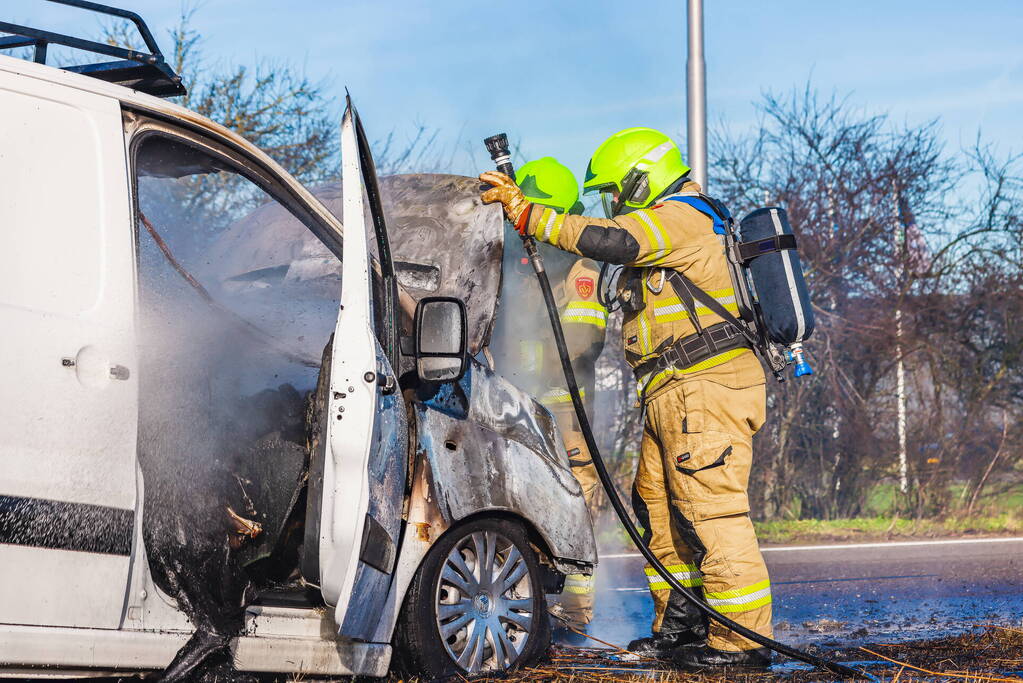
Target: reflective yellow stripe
x=686 y=574
x=671 y=308
x=656 y=234
x=556 y=229
x=555 y=396
x=649 y=382
x=544 y=225
x=645 y=346
x=589 y=312
x=592 y=305
x=580 y=584
x=744 y=599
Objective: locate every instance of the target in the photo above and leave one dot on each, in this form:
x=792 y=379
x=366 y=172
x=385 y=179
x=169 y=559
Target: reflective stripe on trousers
x=579 y=584
x=744 y=599
x=556 y=396
x=687 y=574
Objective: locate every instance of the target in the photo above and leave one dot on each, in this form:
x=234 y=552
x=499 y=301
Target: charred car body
x=232 y=422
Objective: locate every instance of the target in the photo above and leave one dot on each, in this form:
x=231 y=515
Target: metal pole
x=696 y=96
x=900 y=390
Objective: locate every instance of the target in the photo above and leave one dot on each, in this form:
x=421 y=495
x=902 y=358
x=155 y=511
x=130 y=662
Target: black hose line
x=500 y=154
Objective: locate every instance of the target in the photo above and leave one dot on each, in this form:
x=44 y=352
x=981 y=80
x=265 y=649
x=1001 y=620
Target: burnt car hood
x=444 y=242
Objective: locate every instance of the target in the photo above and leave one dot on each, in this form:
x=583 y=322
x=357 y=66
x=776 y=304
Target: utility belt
x=696 y=348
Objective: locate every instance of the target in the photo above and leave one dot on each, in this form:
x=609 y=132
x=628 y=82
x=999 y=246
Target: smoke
x=524 y=352
x=230 y=342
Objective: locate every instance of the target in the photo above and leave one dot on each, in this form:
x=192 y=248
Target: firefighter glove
x=505 y=190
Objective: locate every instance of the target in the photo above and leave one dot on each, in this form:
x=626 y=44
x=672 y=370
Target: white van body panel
x=276 y=639
x=121 y=621
x=70 y=390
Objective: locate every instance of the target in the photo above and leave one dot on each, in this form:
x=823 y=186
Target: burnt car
x=234 y=410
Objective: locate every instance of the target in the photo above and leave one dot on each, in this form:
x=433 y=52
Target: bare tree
x=887 y=243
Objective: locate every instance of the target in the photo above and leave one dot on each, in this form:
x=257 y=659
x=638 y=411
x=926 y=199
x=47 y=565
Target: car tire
x=460 y=617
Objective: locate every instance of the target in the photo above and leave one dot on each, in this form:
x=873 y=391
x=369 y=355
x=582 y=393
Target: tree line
x=912 y=254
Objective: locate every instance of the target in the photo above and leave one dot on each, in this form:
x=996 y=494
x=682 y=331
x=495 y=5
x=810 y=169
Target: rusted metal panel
x=444 y=241
x=503 y=453
x=438 y=221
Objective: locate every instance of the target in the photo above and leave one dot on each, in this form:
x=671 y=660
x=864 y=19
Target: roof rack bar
x=151 y=73
x=78 y=43
x=140 y=24
x=11 y=42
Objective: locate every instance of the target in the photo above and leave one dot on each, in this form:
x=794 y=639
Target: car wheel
x=476 y=604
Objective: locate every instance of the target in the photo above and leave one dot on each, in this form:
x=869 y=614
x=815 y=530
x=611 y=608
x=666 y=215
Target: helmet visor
x=607 y=199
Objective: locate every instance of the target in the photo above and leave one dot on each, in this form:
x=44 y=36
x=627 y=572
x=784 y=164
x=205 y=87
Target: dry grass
x=994 y=654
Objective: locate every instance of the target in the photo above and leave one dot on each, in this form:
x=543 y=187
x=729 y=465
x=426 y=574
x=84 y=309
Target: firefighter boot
x=703 y=657
x=682 y=625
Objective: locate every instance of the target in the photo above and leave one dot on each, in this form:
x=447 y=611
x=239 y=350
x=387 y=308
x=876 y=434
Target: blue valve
x=795 y=354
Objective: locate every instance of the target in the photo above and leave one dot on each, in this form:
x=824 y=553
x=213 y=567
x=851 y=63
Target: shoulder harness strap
x=702 y=204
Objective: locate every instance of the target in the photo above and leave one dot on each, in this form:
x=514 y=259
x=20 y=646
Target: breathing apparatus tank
x=770 y=291
x=774 y=274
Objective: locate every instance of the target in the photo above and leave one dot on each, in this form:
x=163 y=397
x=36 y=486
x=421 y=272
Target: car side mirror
x=441 y=339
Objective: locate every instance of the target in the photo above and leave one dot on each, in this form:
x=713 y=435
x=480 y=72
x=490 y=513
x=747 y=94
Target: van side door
x=68 y=362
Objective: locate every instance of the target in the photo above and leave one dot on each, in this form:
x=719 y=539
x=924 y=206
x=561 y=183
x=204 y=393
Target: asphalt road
x=854 y=593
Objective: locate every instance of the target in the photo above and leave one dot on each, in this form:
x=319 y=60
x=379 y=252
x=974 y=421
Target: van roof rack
x=143 y=71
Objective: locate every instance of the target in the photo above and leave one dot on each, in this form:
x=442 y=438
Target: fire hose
x=497 y=145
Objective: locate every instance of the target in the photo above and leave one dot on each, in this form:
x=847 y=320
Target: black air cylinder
x=777 y=278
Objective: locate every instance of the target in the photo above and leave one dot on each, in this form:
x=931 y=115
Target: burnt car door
x=365 y=428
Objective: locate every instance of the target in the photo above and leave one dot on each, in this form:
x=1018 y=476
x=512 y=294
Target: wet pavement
x=852 y=594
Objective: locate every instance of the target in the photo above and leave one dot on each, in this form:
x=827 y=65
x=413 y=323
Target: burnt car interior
x=232 y=338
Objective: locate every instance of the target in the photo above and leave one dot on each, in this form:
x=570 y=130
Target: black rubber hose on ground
x=536 y=260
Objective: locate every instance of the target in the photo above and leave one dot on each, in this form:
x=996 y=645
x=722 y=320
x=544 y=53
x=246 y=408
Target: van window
x=214 y=243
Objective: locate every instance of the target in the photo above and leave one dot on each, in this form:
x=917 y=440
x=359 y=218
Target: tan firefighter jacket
x=668 y=235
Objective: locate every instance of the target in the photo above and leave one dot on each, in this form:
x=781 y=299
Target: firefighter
x=690 y=487
x=533 y=360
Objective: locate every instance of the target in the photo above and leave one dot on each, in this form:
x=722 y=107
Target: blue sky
x=561 y=76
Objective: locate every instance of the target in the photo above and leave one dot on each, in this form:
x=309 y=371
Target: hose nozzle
x=500 y=152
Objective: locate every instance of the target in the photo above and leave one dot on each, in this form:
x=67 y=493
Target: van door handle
x=119 y=372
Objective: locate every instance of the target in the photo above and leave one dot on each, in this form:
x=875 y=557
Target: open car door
x=365 y=433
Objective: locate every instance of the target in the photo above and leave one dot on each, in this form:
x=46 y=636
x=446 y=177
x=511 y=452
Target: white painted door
x=367 y=433
x=67 y=357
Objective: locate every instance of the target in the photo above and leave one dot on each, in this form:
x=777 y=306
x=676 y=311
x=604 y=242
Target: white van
x=195 y=352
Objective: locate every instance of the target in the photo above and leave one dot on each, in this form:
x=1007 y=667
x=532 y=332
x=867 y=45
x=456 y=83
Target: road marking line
x=854 y=546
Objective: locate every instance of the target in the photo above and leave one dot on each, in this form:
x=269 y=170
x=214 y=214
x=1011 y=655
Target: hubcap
x=484 y=602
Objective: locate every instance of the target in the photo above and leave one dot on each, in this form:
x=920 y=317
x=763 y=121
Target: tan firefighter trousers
x=692 y=479
x=578 y=596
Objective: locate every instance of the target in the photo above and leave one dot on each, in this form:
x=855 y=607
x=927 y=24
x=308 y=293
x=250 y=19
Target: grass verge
x=884 y=528
x=611 y=537
x=994 y=654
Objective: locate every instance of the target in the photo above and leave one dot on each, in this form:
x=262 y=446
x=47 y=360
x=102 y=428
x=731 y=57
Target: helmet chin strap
x=673 y=188
x=621 y=208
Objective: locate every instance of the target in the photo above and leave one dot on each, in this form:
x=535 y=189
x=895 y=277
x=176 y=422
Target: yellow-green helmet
x=549 y=183
x=640 y=163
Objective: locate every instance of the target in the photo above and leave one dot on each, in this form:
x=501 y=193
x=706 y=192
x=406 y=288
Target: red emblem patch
x=584 y=285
